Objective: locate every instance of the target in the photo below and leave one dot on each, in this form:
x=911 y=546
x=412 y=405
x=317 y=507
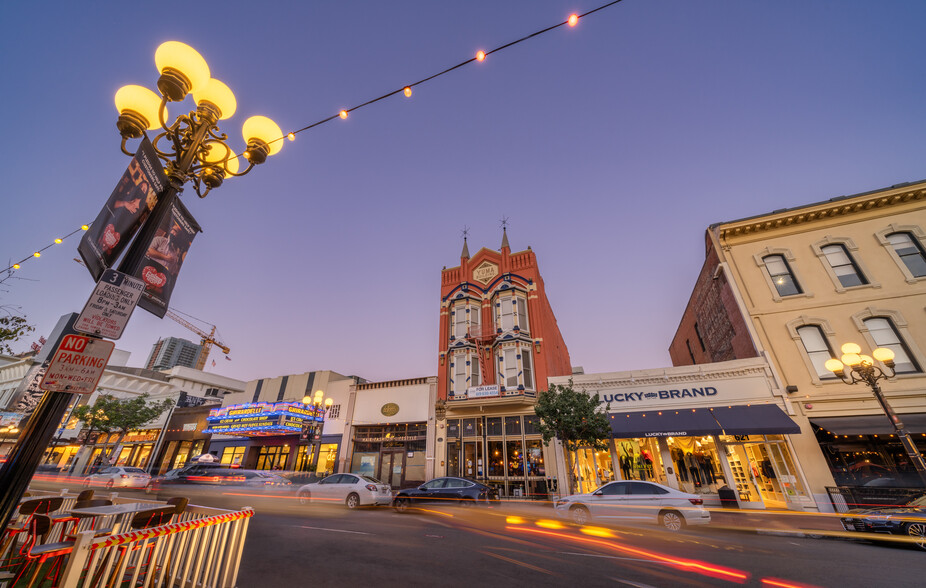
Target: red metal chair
x=29 y=509
x=37 y=553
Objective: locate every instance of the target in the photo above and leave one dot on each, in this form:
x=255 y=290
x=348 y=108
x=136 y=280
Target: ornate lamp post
x=312 y=429
x=192 y=147
x=862 y=368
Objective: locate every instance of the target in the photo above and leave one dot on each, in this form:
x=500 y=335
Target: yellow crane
x=207 y=340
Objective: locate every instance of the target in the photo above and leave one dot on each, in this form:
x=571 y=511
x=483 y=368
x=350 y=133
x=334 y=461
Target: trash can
x=727 y=497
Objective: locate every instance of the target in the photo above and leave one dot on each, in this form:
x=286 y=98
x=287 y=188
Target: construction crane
x=207 y=340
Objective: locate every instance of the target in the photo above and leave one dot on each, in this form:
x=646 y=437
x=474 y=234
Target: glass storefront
x=272 y=457
x=232 y=456
x=870 y=460
x=393 y=454
x=505 y=452
x=759 y=468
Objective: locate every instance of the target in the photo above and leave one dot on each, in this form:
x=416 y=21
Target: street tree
x=119 y=415
x=575 y=418
x=12 y=328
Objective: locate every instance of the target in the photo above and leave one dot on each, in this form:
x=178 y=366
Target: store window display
x=696 y=463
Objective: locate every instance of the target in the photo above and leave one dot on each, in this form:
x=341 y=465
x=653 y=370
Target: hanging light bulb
x=407 y=91
x=573 y=20
x=343 y=114
x=480 y=56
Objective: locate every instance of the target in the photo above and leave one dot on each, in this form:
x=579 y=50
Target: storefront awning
x=664 y=423
x=758 y=419
x=872 y=424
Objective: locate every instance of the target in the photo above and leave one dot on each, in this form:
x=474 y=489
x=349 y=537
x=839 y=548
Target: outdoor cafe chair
x=37 y=552
x=29 y=509
x=76 y=518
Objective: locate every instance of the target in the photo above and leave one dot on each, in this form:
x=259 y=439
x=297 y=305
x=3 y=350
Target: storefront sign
x=390 y=409
x=189 y=426
x=483 y=391
x=657 y=395
x=260 y=418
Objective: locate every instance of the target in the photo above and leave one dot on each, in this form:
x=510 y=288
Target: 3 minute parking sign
x=77 y=365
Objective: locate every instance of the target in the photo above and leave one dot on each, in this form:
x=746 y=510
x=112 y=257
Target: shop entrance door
x=744 y=476
x=392 y=469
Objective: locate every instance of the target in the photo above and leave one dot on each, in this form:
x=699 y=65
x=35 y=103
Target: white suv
x=631 y=500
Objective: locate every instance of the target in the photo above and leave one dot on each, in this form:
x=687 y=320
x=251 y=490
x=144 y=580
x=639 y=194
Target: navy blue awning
x=758 y=419
x=683 y=422
x=874 y=424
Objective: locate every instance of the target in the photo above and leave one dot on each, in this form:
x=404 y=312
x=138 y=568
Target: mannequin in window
x=678 y=458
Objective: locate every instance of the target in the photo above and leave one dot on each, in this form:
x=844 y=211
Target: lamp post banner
x=163 y=255
x=127 y=208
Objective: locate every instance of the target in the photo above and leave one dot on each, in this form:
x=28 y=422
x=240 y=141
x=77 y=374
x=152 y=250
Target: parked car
x=635 y=501
x=183 y=475
x=447 y=490
x=119 y=477
x=905 y=519
x=352 y=490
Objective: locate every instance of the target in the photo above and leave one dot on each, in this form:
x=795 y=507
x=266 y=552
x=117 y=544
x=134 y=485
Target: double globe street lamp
x=311 y=430
x=862 y=368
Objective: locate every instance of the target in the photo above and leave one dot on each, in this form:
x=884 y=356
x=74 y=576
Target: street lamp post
x=194 y=151
x=862 y=368
x=313 y=428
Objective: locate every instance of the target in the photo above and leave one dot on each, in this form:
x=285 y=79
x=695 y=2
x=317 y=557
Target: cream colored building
x=803 y=282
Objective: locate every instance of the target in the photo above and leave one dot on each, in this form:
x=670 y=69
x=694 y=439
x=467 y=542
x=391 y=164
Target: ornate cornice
x=836 y=207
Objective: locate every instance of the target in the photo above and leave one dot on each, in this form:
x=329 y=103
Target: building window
x=232 y=455
x=908 y=249
x=782 y=276
x=884 y=334
x=464 y=372
x=843 y=265
x=335 y=411
x=465 y=318
x=517 y=368
x=817 y=349
x=700 y=339
x=511 y=312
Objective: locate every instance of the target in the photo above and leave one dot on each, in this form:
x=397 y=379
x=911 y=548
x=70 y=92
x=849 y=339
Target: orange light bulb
x=36 y=254
x=15 y=266
x=408 y=91
x=343 y=114
x=573 y=20
x=57 y=241
x=291 y=136
x=84 y=227
x=480 y=56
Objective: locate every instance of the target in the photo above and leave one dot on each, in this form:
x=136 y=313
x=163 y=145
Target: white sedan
x=633 y=501
x=351 y=490
x=119 y=477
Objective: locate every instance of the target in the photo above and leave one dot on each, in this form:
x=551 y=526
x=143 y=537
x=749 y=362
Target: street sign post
x=108 y=310
x=77 y=365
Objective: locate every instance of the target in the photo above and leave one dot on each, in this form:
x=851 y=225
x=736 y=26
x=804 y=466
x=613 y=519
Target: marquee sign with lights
x=258 y=419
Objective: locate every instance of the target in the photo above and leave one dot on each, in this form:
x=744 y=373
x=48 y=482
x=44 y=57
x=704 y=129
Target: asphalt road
x=289 y=544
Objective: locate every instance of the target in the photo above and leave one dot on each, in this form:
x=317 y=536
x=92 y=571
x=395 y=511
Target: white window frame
x=917 y=234
x=511 y=306
x=464 y=370
x=465 y=315
x=511 y=367
x=852 y=251
x=900 y=327
x=828 y=335
x=759 y=258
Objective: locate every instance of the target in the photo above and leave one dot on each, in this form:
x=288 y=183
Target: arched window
x=511 y=312
x=908 y=249
x=782 y=276
x=845 y=268
x=884 y=334
x=817 y=348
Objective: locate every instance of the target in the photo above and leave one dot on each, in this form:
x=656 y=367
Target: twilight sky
x=610 y=146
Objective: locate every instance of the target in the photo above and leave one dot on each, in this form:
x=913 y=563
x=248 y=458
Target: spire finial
x=465 y=232
x=504 y=224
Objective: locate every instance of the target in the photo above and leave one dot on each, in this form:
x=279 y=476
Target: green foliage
x=110 y=414
x=12 y=328
x=573 y=417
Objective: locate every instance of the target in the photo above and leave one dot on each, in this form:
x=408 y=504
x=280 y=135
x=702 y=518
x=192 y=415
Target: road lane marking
x=634 y=584
x=520 y=563
x=334 y=530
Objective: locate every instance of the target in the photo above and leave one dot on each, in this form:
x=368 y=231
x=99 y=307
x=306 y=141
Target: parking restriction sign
x=77 y=365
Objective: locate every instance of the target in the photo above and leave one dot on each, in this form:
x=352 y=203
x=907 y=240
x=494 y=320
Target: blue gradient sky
x=610 y=147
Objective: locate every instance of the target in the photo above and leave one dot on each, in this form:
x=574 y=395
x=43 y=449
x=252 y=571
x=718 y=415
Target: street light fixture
x=862 y=368
x=311 y=429
x=193 y=147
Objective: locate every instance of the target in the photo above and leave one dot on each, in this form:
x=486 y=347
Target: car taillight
x=695 y=501
x=371 y=487
x=123 y=476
